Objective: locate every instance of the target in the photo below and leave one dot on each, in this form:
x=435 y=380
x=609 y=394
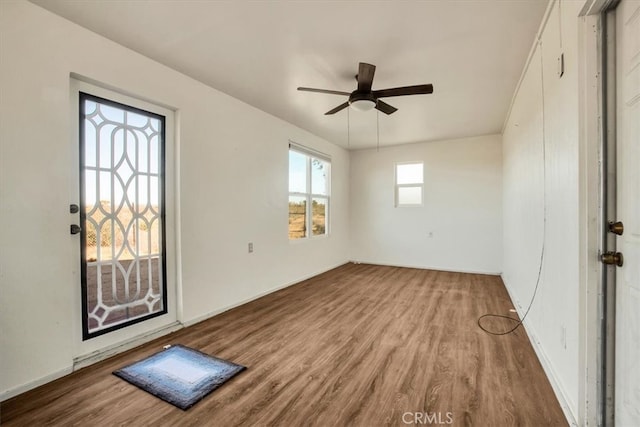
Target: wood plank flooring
x=360 y=345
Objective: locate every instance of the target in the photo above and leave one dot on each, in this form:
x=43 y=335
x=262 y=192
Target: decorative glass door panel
x=122 y=215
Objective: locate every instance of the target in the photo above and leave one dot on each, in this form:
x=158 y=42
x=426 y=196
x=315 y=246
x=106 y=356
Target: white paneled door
x=627 y=389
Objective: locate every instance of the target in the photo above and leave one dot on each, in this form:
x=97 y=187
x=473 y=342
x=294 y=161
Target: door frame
x=597 y=194
x=593 y=408
x=86 y=352
x=608 y=207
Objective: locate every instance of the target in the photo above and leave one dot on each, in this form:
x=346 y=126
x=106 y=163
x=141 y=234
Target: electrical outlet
x=250 y=247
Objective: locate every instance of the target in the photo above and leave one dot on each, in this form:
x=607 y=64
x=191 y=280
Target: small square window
x=409 y=173
x=409 y=184
x=410 y=195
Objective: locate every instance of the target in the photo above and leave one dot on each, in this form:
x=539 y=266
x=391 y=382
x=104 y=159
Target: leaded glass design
x=122 y=214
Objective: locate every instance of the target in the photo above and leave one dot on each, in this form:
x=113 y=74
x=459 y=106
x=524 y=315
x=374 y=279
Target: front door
x=122 y=214
x=124 y=218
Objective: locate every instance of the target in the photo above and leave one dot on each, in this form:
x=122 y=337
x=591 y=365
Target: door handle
x=616 y=227
x=75 y=229
x=612 y=258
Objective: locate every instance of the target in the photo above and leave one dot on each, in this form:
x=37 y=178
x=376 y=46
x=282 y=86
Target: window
x=409 y=183
x=309 y=192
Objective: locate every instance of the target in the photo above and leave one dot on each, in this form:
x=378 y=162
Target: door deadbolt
x=616 y=227
x=612 y=258
x=75 y=229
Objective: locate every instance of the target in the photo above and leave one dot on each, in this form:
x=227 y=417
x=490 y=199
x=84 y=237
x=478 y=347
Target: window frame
x=308 y=195
x=398 y=186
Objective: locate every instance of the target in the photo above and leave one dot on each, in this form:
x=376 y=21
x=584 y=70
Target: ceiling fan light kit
x=363 y=104
x=365 y=99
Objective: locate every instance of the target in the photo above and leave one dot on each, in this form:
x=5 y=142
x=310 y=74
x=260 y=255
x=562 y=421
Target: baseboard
x=94 y=357
x=559 y=391
x=98 y=355
x=8 y=394
x=423 y=267
x=90 y=359
x=255 y=297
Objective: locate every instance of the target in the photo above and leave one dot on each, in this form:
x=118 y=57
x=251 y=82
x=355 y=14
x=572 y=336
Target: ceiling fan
x=364 y=99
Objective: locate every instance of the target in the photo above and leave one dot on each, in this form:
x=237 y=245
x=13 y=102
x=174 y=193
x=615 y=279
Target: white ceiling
x=472 y=51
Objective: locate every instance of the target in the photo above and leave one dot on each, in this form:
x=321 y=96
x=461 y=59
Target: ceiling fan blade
x=365 y=76
x=338 y=108
x=385 y=108
x=400 y=91
x=331 y=92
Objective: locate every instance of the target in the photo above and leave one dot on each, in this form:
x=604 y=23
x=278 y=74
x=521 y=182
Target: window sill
x=308 y=239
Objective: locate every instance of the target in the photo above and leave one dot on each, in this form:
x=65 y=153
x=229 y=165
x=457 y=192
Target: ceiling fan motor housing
x=361 y=96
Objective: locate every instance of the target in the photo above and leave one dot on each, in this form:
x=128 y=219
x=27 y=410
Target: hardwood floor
x=360 y=345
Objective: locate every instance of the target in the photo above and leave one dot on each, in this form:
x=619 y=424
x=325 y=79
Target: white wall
x=233 y=189
x=553 y=323
x=461 y=212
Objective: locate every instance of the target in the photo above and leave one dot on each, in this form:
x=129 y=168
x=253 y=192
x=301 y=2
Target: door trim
x=136 y=333
x=595 y=378
x=608 y=206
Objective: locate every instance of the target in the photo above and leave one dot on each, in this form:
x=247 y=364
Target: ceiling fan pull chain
x=378 y=130
x=348 y=130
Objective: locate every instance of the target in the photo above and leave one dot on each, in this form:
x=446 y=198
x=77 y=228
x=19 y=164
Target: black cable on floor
x=544 y=221
x=519 y=321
